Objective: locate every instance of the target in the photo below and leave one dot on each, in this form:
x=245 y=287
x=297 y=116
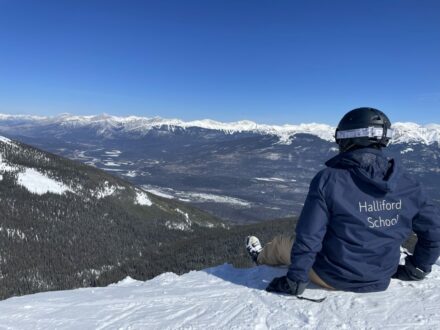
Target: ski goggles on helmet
x=369 y=132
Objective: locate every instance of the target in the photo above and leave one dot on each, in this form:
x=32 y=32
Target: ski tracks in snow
x=224 y=297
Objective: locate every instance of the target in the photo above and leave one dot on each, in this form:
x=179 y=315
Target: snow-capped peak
x=21 y=117
x=105 y=124
x=414 y=133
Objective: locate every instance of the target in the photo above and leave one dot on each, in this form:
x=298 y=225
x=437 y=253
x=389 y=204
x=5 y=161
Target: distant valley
x=241 y=172
x=66 y=225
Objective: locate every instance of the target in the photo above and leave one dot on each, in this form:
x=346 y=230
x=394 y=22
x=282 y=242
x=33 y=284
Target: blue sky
x=269 y=61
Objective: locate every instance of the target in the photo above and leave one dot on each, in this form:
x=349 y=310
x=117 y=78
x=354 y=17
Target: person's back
x=358 y=212
x=371 y=206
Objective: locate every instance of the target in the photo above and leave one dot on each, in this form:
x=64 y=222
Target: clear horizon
x=201 y=119
x=268 y=62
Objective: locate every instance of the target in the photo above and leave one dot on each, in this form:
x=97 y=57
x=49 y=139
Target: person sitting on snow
x=358 y=212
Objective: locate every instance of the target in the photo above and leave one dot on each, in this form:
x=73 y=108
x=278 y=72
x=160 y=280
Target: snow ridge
x=40 y=183
x=5 y=140
x=105 y=124
x=225 y=297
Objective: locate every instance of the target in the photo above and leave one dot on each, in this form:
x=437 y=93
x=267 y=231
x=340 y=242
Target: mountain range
x=241 y=172
x=108 y=126
x=142 y=202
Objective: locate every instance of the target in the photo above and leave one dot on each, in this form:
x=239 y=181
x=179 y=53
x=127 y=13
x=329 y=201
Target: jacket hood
x=369 y=165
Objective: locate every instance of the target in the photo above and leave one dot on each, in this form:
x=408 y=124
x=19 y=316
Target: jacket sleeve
x=310 y=231
x=426 y=224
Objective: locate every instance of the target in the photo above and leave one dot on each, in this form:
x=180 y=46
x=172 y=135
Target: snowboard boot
x=253 y=247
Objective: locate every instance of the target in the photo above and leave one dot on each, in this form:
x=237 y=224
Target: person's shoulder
x=324 y=176
x=329 y=172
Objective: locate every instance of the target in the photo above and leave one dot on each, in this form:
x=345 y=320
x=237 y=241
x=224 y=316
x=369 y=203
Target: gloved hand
x=409 y=272
x=285 y=285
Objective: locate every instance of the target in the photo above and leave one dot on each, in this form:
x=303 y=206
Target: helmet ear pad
x=361 y=118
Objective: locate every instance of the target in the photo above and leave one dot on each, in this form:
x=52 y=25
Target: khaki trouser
x=277 y=252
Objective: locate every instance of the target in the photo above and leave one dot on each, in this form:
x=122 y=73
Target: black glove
x=409 y=272
x=285 y=285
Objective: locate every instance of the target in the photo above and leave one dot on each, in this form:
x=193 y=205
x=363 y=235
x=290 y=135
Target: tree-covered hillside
x=64 y=224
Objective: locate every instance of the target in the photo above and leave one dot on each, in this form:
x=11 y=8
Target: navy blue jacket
x=358 y=212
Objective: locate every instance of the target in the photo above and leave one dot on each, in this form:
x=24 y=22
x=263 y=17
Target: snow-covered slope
x=41 y=183
x=106 y=125
x=224 y=297
x=67 y=225
x=38 y=183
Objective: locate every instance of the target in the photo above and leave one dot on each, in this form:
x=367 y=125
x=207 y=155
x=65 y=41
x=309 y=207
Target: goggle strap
x=370 y=132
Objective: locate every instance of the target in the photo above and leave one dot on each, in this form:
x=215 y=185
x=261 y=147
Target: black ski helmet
x=363 y=127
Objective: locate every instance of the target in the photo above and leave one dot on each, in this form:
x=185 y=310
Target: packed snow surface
x=224 y=297
x=39 y=183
